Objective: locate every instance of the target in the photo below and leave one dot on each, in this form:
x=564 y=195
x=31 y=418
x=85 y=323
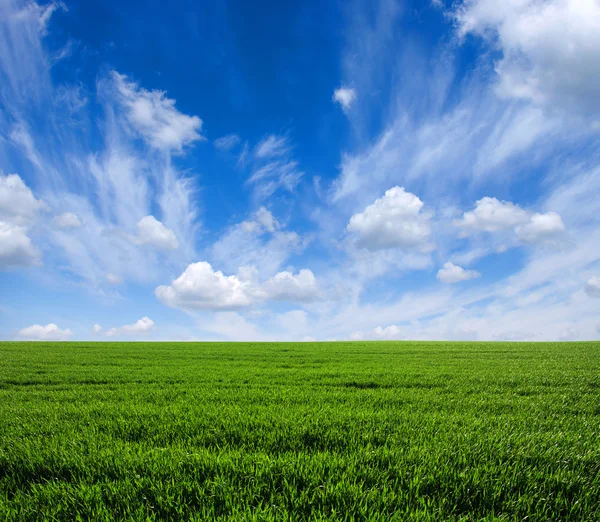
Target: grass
x=315 y=431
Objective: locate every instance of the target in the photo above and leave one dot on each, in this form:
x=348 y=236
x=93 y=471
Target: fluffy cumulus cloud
x=67 y=220
x=389 y=332
x=16 y=248
x=50 y=332
x=142 y=326
x=451 y=273
x=285 y=286
x=345 y=96
x=550 y=49
x=395 y=220
x=200 y=287
x=492 y=215
x=541 y=227
x=592 y=287
x=155 y=117
x=18 y=205
x=18 y=212
x=152 y=232
x=97 y=328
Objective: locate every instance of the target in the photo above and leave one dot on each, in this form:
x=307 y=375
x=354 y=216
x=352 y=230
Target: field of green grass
x=314 y=431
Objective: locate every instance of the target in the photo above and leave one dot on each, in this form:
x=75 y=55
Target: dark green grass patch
x=336 y=431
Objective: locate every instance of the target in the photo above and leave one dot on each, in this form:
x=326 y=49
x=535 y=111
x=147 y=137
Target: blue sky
x=300 y=170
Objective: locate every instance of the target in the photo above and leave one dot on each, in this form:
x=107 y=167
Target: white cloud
x=451 y=273
x=592 y=287
x=200 y=287
x=97 y=328
x=491 y=215
x=295 y=323
x=50 y=332
x=275 y=175
x=67 y=220
x=345 y=96
x=392 y=221
x=550 y=49
x=541 y=227
x=16 y=248
x=273 y=167
x=272 y=146
x=155 y=117
x=241 y=161
x=232 y=326
x=266 y=219
x=227 y=142
x=142 y=326
x=113 y=279
x=389 y=332
x=259 y=241
x=285 y=286
x=152 y=232
x=18 y=205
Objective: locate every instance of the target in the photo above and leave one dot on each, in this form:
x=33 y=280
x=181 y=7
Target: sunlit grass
x=340 y=431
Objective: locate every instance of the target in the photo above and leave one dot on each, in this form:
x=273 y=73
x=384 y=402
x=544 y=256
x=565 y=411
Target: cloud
x=259 y=241
x=142 y=326
x=272 y=146
x=110 y=177
x=50 y=332
x=345 y=96
x=16 y=248
x=273 y=167
x=541 y=227
x=550 y=49
x=152 y=232
x=295 y=323
x=18 y=205
x=155 y=117
x=200 y=287
x=451 y=273
x=113 y=279
x=389 y=332
x=285 y=286
x=227 y=142
x=97 y=328
x=67 y=220
x=392 y=221
x=232 y=326
x=275 y=175
x=491 y=215
x=592 y=287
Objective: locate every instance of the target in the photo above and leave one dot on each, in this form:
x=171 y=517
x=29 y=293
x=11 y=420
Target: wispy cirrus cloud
x=95 y=185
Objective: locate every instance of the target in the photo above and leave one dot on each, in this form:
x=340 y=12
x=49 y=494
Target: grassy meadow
x=308 y=431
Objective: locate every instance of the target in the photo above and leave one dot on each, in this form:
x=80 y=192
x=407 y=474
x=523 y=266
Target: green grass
x=336 y=431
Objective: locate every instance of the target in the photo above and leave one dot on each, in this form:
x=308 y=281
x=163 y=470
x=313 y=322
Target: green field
x=336 y=431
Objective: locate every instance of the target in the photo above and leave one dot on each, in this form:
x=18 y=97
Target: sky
x=297 y=171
